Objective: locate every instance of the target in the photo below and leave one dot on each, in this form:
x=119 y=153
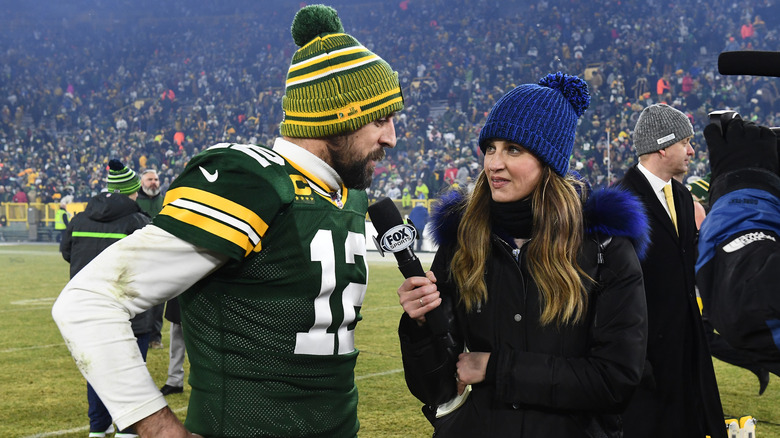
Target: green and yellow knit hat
x=122 y=179
x=700 y=188
x=334 y=84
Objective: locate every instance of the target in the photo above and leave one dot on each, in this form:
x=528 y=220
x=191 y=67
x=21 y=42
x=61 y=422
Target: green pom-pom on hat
x=314 y=20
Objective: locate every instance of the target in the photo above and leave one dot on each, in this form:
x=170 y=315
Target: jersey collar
x=315 y=169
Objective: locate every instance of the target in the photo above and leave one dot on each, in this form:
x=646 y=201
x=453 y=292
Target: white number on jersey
x=317 y=340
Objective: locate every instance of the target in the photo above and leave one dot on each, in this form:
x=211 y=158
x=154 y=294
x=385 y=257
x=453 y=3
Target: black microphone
x=749 y=62
x=397 y=237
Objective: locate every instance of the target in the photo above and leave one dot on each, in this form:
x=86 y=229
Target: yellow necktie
x=670 y=203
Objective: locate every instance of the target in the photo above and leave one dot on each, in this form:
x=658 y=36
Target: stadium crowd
x=153 y=83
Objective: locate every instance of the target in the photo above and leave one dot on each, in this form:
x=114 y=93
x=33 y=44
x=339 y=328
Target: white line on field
x=79 y=429
x=383 y=373
x=25 y=309
x=59 y=432
x=31 y=253
x=34 y=347
x=372 y=309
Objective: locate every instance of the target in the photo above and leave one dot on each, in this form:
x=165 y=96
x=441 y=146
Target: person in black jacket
x=679 y=392
x=739 y=247
x=108 y=217
x=719 y=348
x=539 y=281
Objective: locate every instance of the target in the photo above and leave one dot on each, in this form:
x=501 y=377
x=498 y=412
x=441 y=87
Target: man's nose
x=388 y=139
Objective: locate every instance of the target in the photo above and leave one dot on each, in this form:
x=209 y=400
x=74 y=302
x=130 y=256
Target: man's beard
x=354 y=172
x=151 y=192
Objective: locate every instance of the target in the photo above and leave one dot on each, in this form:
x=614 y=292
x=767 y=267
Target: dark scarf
x=515 y=218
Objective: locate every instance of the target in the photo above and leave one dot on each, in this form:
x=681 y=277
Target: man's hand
x=163 y=424
x=746 y=145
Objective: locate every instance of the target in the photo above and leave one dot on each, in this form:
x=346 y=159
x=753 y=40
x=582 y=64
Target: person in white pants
x=176 y=350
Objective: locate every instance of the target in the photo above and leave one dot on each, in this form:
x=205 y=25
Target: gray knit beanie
x=660 y=126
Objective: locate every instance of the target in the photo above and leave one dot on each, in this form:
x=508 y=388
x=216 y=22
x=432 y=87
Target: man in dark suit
x=679 y=394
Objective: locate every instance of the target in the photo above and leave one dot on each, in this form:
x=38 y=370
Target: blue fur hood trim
x=617 y=212
x=610 y=212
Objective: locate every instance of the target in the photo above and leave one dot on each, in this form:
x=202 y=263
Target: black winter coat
x=679 y=392
x=107 y=218
x=541 y=380
x=738 y=269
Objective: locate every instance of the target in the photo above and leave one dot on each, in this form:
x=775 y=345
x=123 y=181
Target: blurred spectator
x=20 y=196
x=155 y=92
x=421 y=190
x=419 y=218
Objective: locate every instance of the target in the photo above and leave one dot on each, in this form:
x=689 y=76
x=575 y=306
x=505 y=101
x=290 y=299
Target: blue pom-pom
x=574 y=89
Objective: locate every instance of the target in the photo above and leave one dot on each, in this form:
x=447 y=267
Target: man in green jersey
x=265 y=248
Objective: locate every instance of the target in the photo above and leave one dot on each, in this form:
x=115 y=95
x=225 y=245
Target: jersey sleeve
x=226 y=197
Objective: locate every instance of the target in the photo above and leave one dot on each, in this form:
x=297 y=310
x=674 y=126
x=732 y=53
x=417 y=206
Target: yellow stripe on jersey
x=227 y=206
x=217 y=215
x=216 y=228
x=218 y=210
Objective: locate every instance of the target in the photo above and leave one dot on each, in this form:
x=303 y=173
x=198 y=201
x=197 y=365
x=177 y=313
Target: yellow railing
x=44 y=213
x=37 y=212
x=404 y=210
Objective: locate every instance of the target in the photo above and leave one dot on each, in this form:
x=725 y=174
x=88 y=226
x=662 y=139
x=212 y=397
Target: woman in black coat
x=542 y=290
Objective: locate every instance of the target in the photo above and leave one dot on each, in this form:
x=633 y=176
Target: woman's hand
x=418 y=296
x=471 y=369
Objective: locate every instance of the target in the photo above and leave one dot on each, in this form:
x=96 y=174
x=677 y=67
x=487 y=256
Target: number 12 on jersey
x=317 y=340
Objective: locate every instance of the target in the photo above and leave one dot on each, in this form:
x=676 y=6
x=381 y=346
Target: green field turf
x=42 y=393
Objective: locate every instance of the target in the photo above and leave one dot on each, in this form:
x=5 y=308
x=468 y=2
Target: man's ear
x=662 y=152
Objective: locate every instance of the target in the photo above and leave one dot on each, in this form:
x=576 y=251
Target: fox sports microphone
x=397 y=237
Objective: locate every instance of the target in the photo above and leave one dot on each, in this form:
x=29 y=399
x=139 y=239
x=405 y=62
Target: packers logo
x=349 y=112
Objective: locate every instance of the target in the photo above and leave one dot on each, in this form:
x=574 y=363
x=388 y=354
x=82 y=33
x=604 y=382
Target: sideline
x=28 y=243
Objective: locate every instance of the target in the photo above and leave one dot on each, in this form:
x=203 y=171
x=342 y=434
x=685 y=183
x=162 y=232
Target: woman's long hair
x=552 y=251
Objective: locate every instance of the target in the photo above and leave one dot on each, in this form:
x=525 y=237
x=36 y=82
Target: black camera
x=721 y=118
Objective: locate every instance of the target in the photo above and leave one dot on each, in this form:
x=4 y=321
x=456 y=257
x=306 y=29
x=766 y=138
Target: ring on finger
x=421 y=302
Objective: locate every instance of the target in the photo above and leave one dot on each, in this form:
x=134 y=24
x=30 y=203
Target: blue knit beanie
x=542 y=118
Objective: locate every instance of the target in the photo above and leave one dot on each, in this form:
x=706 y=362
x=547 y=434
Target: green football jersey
x=270 y=334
